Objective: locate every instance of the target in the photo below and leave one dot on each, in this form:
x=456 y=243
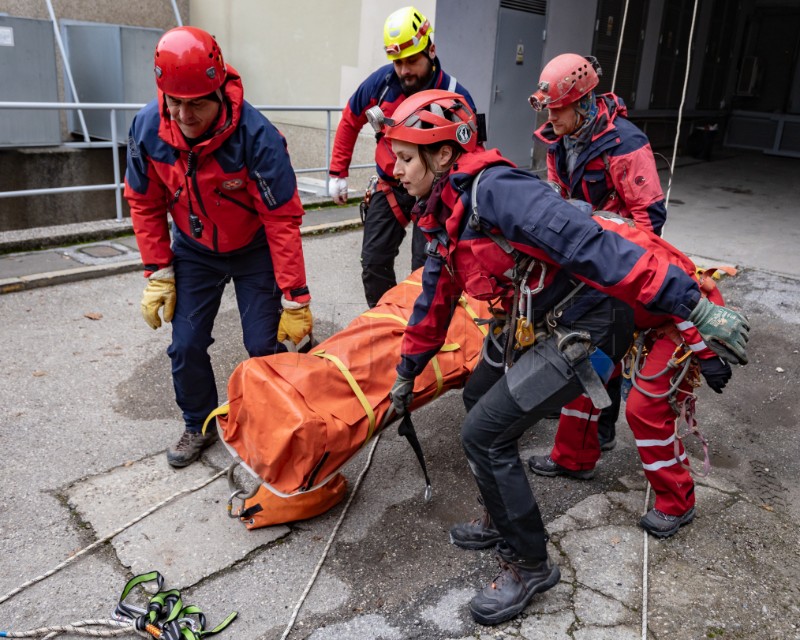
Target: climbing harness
x=363 y=206
x=165 y=617
x=575 y=346
x=684 y=370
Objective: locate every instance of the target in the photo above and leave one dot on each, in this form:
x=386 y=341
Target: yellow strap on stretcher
x=221 y=410
x=462 y=301
x=437 y=370
x=354 y=386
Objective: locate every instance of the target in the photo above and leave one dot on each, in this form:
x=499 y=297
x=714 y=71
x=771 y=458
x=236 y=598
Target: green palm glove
x=724 y=330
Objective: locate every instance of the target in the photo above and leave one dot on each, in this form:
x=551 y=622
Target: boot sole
x=514 y=611
x=608 y=446
x=577 y=475
x=475 y=545
x=669 y=532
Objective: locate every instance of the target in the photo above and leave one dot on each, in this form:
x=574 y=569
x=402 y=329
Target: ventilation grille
x=539 y=7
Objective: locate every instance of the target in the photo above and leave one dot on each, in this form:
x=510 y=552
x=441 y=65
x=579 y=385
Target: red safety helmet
x=432 y=116
x=188 y=63
x=564 y=80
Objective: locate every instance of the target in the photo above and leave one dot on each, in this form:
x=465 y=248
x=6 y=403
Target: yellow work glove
x=296 y=321
x=159 y=292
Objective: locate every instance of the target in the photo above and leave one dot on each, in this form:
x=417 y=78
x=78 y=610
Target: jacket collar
x=442 y=213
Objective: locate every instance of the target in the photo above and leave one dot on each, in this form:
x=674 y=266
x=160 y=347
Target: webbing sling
x=165 y=616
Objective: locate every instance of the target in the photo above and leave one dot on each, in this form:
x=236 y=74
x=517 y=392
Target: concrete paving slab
x=595 y=609
x=607 y=560
x=108 y=500
x=557 y=626
x=190 y=539
x=602 y=633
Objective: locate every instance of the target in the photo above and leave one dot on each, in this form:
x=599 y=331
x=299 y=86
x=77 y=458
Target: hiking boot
x=476 y=534
x=546 y=466
x=190 y=446
x=513 y=589
x=663 y=525
x=607 y=444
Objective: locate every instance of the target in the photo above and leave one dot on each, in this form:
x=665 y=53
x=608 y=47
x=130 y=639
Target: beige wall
x=304 y=52
x=300 y=52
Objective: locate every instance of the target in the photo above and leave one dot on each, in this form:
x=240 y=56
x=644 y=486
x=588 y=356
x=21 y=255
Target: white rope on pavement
x=105 y=539
x=331 y=538
x=645 y=552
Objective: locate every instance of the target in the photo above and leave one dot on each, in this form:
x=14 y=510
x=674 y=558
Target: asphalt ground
x=90 y=411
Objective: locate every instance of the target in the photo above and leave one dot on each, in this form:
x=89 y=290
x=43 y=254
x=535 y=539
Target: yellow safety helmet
x=405 y=33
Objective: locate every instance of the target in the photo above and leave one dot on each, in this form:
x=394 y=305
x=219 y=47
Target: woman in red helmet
x=221 y=170
x=550 y=271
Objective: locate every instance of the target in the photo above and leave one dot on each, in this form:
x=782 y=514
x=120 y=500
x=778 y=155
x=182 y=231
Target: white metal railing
x=112 y=108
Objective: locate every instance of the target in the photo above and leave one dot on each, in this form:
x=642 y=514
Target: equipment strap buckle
x=575 y=347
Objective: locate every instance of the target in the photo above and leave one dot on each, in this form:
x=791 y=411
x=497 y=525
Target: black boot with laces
x=513 y=589
x=476 y=534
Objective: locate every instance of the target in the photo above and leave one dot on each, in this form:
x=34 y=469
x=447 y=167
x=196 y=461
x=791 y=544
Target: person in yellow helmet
x=408 y=44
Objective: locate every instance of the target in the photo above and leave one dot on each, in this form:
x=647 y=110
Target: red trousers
x=652 y=421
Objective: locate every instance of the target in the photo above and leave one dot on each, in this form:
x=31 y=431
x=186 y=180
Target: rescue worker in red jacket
x=597 y=155
x=408 y=43
x=204 y=156
x=550 y=271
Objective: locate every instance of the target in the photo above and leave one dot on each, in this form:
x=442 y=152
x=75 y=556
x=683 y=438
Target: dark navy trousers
x=501 y=407
x=200 y=279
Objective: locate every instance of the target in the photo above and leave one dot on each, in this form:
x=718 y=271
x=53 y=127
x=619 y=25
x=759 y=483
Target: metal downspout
x=177 y=13
x=67 y=69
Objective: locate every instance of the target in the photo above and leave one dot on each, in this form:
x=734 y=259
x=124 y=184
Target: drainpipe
x=67 y=67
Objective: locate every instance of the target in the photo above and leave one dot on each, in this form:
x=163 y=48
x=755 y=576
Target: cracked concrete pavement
x=90 y=411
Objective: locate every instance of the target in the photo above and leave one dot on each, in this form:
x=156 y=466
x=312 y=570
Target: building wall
x=465 y=39
x=305 y=52
x=142 y=13
x=34 y=168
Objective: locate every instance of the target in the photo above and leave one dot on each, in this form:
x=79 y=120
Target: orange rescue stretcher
x=294 y=419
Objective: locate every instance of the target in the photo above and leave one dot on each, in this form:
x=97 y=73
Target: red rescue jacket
x=610 y=255
x=615 y=172
x=243 y=182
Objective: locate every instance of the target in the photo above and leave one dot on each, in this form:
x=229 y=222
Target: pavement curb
x=49 y=278
x=22 y=283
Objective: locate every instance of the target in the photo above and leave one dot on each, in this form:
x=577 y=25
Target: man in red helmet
x=204 y=156
x=407 y=39
x=596 y=155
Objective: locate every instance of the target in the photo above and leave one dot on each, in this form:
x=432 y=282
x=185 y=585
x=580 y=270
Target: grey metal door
x=518 y=61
